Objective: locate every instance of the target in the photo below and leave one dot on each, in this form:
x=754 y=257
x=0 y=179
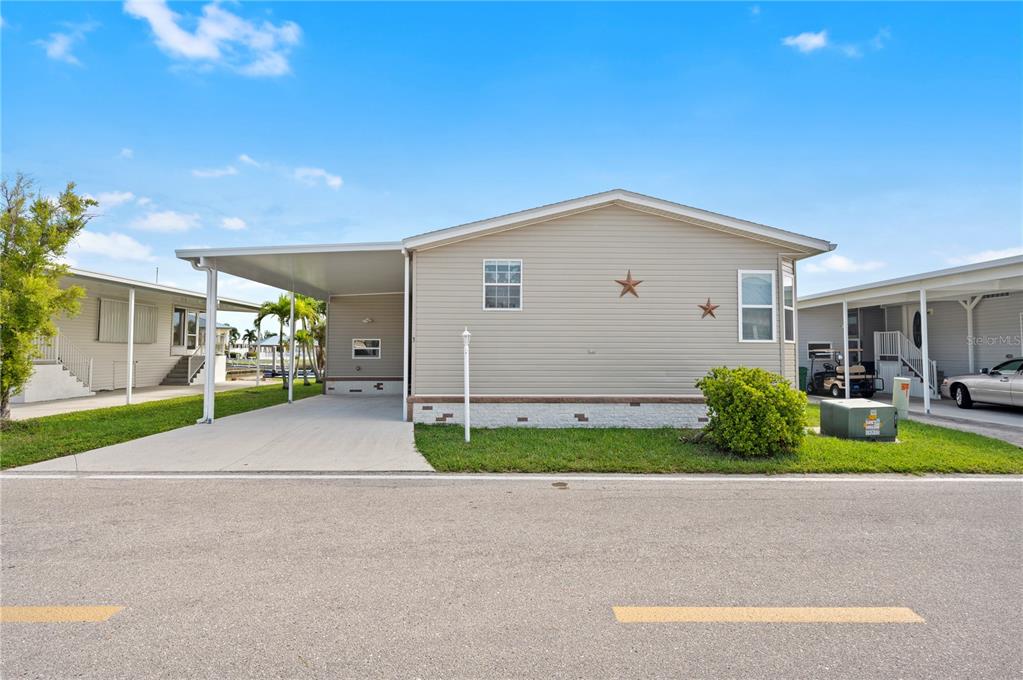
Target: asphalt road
x=323 y=578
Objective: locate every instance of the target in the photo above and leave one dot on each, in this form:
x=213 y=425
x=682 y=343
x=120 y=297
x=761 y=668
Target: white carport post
x=845 y=347
x=131 y=345
x=969 y=305
x=405 y=344
x=210 y=368
x=291 y=351
x=926 y=359
x=259 y=351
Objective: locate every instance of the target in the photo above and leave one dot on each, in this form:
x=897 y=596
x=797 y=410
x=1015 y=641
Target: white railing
x=894 y=346
x=62 y=351
x=195 y=362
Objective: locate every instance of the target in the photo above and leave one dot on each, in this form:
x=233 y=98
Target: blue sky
x=895 y=130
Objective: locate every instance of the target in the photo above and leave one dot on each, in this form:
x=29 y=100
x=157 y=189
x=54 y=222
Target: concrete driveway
x=323 y=433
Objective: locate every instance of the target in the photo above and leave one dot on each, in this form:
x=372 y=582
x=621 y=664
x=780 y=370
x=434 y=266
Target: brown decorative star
x=708 y=309
x=628 y=284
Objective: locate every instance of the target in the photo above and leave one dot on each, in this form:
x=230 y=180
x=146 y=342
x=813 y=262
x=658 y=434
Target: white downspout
x=926 y=359
x=131 y=345
x=465 y=370
x=845 y=347
x=209 y=389
x=405 y=344
x=291 y=352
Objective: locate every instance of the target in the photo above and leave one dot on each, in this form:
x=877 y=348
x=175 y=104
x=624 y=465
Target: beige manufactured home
x=90 y=352
x=601 y=310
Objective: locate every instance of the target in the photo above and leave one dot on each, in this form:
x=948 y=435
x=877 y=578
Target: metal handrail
x=196 y=360
x=61 y=350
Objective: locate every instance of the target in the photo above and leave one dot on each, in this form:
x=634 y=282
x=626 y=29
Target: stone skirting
x=363 y=386
x=683 y=412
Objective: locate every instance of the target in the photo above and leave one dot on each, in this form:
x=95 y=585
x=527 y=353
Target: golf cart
x=827 y=375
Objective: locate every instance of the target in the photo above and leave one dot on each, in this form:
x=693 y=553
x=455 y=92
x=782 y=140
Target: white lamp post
x=465 y=355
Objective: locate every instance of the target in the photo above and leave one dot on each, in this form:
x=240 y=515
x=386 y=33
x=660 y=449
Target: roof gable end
x=797 y=243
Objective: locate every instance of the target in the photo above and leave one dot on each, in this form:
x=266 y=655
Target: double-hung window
x=788 y=303
x=756 y=305
x=502 y=284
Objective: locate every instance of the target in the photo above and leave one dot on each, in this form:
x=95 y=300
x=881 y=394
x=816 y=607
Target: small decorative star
x=708 y=309
x=628 y=285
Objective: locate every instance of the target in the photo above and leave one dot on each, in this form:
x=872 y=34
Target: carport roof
x=955 y=283
x=224 y=304
x=315 y=270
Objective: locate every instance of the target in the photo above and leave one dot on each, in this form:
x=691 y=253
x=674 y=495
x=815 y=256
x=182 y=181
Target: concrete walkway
x=323 y=433
x=108 y=398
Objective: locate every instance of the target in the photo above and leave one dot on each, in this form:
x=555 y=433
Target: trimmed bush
x=753 y=412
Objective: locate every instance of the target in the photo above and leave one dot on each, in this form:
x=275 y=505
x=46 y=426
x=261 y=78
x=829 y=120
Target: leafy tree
x=303 y=339
x=35 y=232
x=233 y=334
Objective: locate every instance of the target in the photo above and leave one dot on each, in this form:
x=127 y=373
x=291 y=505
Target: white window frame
x=791 y=279
x=773 y=306
x=522 y=276
x=816 y=342
x=379 y=348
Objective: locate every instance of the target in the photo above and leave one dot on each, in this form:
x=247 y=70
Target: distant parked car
x=1003 y=384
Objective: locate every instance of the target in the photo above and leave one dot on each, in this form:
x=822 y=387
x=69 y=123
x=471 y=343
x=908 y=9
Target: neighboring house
x=599 y=310
x=974 y=320
x=90 y=351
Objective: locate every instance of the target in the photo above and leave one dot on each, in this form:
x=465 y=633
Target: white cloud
x=216 y=172
x=166 y=221
x=113 y=245
x=313 y=176
x=249 y=160
x=755 y=10
x=126 y=153
x=811 y=42
x=144 y=200
x=112 y=199
x=807 y=42
x=59 y=45
x=220 y=37
x=985 y=255
x=840 y=263
x=881 y=38
x=233 y=223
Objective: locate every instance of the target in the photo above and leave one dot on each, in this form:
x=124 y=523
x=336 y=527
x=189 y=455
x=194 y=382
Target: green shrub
x=753 y=412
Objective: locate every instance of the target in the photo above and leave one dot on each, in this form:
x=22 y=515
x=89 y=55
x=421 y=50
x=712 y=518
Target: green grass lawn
x=36 y=439
x=921 y=448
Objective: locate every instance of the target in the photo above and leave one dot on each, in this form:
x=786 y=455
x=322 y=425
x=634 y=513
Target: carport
x=320 y=271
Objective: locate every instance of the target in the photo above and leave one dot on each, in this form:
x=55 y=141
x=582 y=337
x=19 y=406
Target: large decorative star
x=628 y=284
x=708 y=309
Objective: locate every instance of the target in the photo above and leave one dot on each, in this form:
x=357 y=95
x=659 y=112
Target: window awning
x=317 y=270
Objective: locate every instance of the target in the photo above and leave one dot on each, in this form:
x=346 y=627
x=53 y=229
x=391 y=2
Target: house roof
x=374 y=268
x=992 y=276
x=800 y=244
x=226 y=304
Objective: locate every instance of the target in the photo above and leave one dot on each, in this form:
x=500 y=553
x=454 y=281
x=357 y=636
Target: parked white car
x=1003 y=384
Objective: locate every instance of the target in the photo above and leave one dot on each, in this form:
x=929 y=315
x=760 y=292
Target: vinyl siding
x=575 y=335
x=996 y=323
x=153 y=360
x=819 y=324
x=344 y=323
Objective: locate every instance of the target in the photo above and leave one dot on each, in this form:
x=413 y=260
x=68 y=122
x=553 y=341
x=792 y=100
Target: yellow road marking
x=57 y=614
x=766 y=615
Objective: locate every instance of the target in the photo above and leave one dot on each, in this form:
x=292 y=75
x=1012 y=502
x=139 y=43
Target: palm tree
x=303 y=338
x=250 y=338
x=281 y=309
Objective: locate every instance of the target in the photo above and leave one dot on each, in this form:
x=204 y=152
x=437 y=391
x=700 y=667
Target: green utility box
x=859 y=419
